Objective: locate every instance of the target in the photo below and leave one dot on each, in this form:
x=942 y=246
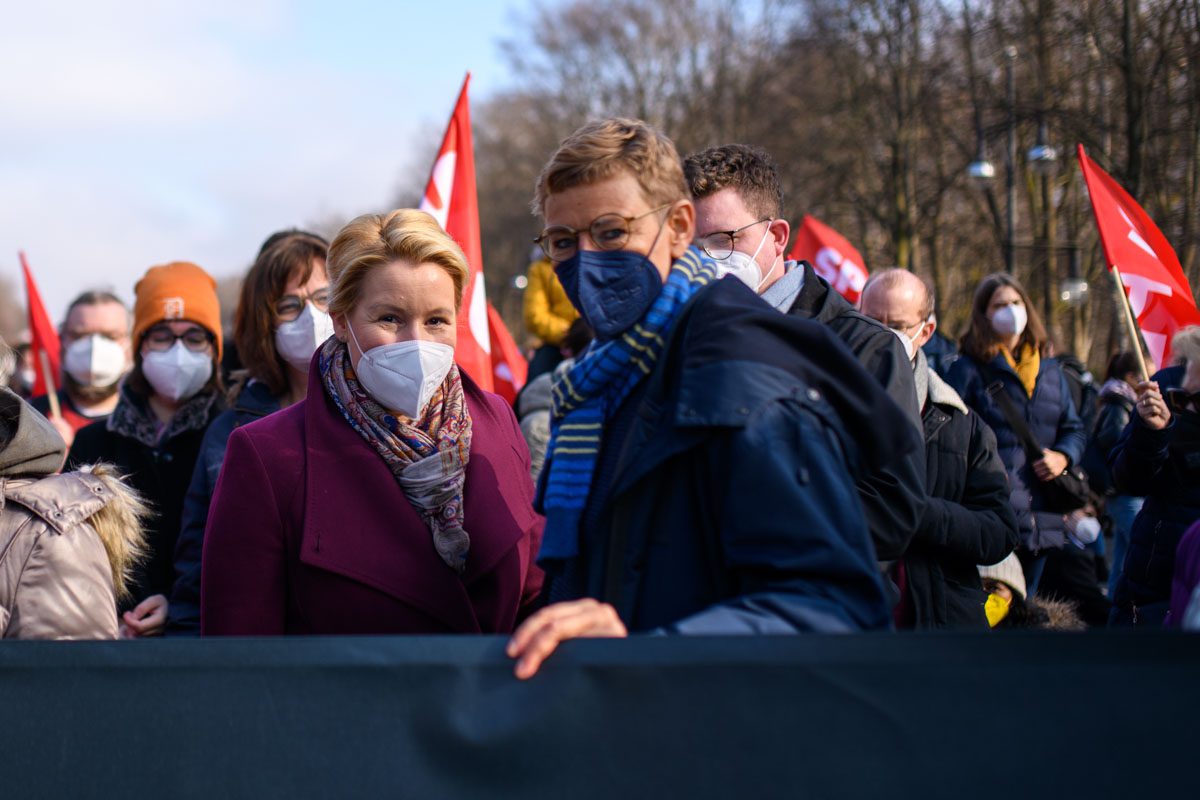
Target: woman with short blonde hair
x=349 y=511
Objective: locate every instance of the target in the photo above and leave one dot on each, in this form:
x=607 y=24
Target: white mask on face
x=298 y=339
x=744 y=267
x=1010 y=320
x=177 y=373
x=910 y=347
x=403 y=376
x=95 y=361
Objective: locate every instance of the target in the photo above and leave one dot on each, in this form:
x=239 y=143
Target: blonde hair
x=601 y=150
x=1186 y=343
x=374 y=240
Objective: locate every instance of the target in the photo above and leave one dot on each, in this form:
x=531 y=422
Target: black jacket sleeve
x=982 y=527
x=1139 y=457
x=893 y=497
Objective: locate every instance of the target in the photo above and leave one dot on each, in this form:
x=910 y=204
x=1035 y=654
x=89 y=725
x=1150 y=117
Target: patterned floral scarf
x=428 y=456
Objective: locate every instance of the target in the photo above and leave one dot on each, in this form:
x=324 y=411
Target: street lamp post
x=1010 y=176
x=982 y=171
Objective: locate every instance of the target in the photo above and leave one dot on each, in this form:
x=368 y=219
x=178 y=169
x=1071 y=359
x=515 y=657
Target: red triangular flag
x=450 y=197
x=43 y=335
x=832 y=257
x=1158 y=290
x=509 y=367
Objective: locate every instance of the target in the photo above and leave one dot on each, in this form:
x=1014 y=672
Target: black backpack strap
x=1015 y=421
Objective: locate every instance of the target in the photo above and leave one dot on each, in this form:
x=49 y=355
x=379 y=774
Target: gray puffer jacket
x=67 y=541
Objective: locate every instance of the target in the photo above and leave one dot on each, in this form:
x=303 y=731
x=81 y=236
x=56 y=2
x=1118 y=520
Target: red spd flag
x=43 y=336
x=1158 y=290
x=832 y=256
x=451 y=199
x=509 y=368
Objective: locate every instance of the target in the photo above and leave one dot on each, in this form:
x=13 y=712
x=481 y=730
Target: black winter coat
x=1112 y=417
x=158 y=467
x=1163 y=466
x=968 y=519
x=893 y=497
x=254 y=402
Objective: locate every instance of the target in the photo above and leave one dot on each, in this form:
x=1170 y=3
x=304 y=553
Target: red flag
x=1158 y=290
x=450 y=197
x=43 y=336
x=832 y=256
x=509 y=368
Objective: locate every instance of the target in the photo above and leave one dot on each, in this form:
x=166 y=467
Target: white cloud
x=141 y=132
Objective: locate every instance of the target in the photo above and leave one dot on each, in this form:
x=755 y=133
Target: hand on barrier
x=148 y=618
x=539 y=635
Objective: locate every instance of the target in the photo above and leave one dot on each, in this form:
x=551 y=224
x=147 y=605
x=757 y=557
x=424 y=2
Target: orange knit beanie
x=178 y=290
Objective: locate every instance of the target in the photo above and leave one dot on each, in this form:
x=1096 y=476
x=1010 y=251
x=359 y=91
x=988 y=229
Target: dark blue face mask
x=612 y=289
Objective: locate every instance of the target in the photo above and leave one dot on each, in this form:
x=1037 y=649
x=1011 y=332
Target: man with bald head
x=968 y=519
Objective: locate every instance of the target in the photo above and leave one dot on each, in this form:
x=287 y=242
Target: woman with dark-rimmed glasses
x=153 y=436
x=281 y=319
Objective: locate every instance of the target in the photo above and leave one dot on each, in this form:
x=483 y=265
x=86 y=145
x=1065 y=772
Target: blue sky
x=139 y=132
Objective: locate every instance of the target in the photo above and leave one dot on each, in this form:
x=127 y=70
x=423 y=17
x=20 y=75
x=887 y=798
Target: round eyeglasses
x=719 y=244
x=607 y=231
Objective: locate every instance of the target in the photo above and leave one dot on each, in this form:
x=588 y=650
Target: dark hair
x=93 y=297
x=284 y=256
x=1121 y=364
x=748 y=170
x=980 y=341
x=577 y=337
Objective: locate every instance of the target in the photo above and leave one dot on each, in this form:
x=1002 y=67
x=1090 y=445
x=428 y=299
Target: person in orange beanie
x=166 y=404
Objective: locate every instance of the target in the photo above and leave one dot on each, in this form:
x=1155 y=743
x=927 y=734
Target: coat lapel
x=359 y=524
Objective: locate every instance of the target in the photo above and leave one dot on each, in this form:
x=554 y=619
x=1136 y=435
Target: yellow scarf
x=1027 y=368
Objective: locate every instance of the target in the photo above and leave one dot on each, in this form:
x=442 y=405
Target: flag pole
x=51 y=389
x=1130 y=323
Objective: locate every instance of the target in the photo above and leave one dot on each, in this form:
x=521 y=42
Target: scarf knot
x=427 y=456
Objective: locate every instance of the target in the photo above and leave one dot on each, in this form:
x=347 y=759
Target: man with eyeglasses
x=968 y=519
x=700 y=473
x=739 y=207
x=95 y=356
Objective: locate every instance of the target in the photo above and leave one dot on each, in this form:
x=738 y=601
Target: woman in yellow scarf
x=1006 y=350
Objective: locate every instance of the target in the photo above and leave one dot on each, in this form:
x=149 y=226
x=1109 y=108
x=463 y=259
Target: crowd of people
x=711 y=441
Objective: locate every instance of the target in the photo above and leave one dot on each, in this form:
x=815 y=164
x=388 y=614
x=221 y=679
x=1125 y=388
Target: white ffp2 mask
x=744 y=267
x=403 y=376
x=177 y=373
x=1010 y=320
x=298 y=339
x=95 y=361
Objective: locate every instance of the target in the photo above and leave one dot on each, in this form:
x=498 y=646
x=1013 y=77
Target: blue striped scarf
x=586 y=397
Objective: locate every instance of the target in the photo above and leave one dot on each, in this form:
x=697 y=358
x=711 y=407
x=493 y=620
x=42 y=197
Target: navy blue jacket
x=1050 y=415
x=253 y=402
x=940 y=352
x=1164 y=466
x=732 y=508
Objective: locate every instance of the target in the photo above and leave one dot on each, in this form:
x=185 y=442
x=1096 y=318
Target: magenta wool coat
x=309 y=532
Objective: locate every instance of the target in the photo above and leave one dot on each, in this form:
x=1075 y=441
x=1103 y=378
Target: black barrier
x=1000 y=716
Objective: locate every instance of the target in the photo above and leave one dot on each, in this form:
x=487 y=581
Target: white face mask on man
x=403 y=376
x=95 y=361
x=910 y=346
x=177 y=373
x=744 y=267
x=297 y=339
